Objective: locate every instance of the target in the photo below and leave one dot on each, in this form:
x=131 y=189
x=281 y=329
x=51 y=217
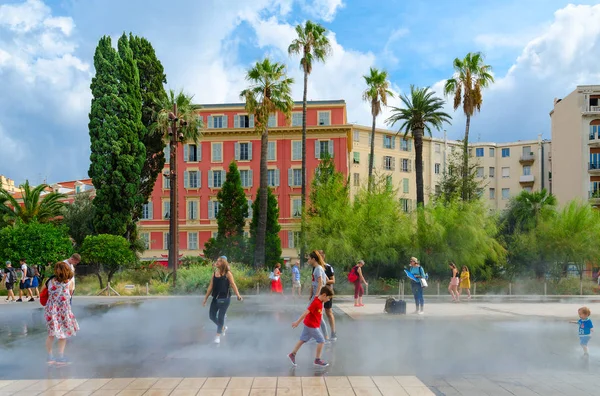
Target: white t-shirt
x=72 y=269
x=24 y=270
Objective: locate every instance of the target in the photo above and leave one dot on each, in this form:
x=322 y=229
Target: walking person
x=276 y=286
x=329 y=272
x=60 y=321
x=72 y=262
x=454 y=282
x=586 y=327
x=359 y=291
x=465 y=282
x=26 y=280
x=296 y=285
x=417 y=287
x=9 y=279
x=319 y=279
x=220 y=287
x=312 y=317
x=35 y=282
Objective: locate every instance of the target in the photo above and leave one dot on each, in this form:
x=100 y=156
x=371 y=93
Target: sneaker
x=50 y=360
x=416 y=312
x=421 y=312
x=19 y=300
x=217 y=340
x=333 y=337
x=320 y=363
x=32 y=300
x=224 y=330
x=292 y=357
x=62 y=361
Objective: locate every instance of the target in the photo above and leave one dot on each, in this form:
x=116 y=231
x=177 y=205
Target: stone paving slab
x=220 y=386
x=469 y=309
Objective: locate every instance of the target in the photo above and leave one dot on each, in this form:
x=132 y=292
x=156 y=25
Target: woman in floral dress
x=60 y=320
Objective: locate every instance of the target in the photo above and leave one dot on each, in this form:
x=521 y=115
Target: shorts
x=9 y=285
x=25 y=285
x=583 y=340
x=296 y=284
x=309 y=332
x=328 y=304
x=454 y=282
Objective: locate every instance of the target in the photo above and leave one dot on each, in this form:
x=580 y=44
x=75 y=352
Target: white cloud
x=9 y=148
x=323 y=9
x=551 y=65
x=494 y=40
x=388 y=56
x=23 y=17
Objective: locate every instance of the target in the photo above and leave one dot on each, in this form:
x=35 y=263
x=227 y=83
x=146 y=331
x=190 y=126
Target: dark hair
x=62 y=272
x=452 y=265
x=327 y=291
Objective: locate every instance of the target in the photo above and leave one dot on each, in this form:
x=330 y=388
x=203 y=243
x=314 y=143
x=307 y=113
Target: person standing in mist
x=360 y=279
x=417 y=288
x=319 y=279
x=586 y=327
x=220 y=287
x=296 y=285
x=465 y=281
x=454 y=282
x=329 y=304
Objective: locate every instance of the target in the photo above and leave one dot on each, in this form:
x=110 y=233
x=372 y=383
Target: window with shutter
x=272 y=123
x=291 y=240
x=250 y=209
x=217 y=152
x=145 y=237
x=167 y=152
x=186 y=179
x=244 y=151
x=211 y=210
x=271 y=152
x=405 y=186
x=192 y=241
x=297 y=119
x=166 y=209
x=166 y=238
x=324 y=118
x=166 y=182
x=186 y=152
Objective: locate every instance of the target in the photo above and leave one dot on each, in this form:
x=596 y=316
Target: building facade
x=229 y=135
x=576 y=145
x=8 y=185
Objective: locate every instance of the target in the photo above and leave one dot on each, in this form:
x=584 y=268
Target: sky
x=538 y=49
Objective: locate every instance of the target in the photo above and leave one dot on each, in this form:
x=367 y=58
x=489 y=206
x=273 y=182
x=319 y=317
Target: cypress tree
x=117 y=154
x=231 y=219
x=272 y=240
x=152 y=80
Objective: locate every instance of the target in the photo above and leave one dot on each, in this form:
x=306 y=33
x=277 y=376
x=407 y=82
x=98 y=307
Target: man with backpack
x=9 y=279
x=329 y=304
x=27 y=274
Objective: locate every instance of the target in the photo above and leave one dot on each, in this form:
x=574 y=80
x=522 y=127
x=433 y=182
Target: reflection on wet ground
x=173 y=338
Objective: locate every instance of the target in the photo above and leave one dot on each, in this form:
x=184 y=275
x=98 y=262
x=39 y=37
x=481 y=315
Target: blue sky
x=539 y=49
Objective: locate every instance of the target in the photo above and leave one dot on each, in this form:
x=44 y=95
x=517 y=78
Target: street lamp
x=175 y=138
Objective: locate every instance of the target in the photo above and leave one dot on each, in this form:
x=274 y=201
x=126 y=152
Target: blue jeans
x=218 y=309
x=417 y=291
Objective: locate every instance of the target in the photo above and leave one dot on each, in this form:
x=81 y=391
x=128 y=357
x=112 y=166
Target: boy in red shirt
x=312 y=321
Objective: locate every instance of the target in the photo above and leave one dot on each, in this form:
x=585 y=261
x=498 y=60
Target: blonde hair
x=584 y=310
x=224 y=267
x=316 y=256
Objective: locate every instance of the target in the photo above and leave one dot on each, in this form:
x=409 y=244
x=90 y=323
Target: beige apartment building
x=8 y=185
x=505 y=169
x=576 y=145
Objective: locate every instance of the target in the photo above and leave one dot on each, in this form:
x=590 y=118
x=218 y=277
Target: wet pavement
x=172 y=337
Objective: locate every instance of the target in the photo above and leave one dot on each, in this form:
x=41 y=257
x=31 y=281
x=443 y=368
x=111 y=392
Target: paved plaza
x=162 y=346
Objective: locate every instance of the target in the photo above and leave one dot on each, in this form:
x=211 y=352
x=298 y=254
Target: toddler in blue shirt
x=586 y=327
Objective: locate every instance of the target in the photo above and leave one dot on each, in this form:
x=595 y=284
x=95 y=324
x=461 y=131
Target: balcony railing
x=527 y=179
x=527 y=157
x=591 y=109
x=594 y=166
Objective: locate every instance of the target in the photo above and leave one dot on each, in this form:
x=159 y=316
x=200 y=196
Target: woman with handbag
x=220 y=284
x=417 y=287
x=276 y=286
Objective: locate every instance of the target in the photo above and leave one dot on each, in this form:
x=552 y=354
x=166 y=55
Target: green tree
x=152 y=80
x=33 y=208
x=231 y=219
x=452 y=182
x=470 y=77
x=269 y=92
x=272 y=240
x=117 y=153
x=37 y=242
x=422 y=112
x=377 y=93
x=190 y=125
x=312 y=43
x=79 y=218
x=458 y=231
x=329 y=216
x=107 y=253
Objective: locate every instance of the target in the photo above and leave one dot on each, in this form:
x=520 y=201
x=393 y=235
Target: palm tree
x=33 y=208
x=470 y=77
x=269 y=92
x=376 y=93
x=422 y=111
x=312 y=44
x=526 y=210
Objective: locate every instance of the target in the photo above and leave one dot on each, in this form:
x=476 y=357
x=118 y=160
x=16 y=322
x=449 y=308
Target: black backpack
x=12 y=276
x=30 y=272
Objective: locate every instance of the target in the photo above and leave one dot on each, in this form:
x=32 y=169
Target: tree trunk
x=261 y=233
x=418 y=136
x=465 y=172
x=302 y=225
x=371 y=158
x=100 y=279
